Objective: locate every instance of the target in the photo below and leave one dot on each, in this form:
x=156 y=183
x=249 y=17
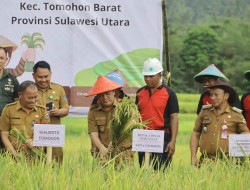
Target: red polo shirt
x=157 y=107
x=245 y=103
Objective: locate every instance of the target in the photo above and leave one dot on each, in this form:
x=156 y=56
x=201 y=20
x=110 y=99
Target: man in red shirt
x=245 y=102
x=158 y=106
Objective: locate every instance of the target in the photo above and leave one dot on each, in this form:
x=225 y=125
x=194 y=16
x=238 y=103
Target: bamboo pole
x=49 y=155
x=166 y=56
x=147 y=160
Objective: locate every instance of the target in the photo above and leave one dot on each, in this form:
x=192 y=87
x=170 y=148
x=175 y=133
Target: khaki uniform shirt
x=210 y=126
x=98 y=121
x=59 y=99
x=13 y=116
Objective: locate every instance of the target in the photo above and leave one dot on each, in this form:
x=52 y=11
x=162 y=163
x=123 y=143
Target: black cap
x=247 y=75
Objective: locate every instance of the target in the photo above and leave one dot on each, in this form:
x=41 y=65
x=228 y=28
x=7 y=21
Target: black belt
x=166 y=130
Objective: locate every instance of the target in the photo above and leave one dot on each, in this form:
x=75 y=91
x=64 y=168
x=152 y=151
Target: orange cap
x=103 y=84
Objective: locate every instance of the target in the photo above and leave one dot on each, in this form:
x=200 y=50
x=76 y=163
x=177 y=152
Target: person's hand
x=103 y=151
x=110 y=147
x=54 y=112
x=170 y=148
x=29 y=54
x=195 y=161
x=17 y=157
x=29 y=143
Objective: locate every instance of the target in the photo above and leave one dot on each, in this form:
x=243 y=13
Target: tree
x=234 y=50
x=200 y=49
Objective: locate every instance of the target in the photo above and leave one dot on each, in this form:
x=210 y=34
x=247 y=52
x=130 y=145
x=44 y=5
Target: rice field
x=80 y=171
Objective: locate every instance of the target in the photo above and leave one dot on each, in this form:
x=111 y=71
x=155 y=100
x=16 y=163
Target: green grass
x=80 y=171
x=188 y=102
x=188 y=97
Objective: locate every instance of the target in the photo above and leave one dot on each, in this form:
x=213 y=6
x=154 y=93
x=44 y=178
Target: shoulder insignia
x=207 y=106
x=93 y=106
x=13 y=103
x=236 y=109
x=55 y=84
x=243 y=120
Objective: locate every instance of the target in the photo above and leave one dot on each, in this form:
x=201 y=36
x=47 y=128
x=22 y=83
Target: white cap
x=152 y=66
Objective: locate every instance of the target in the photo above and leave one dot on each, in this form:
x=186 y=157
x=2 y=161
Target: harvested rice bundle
x=125 y=119
x=23 y=138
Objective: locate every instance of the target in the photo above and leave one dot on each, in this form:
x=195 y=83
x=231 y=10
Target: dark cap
x=225 y=85
x=247 y=75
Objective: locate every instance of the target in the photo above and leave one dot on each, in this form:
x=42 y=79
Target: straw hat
x=103 y=84
x=7 y=44
x=210 y=71
x=117 y=77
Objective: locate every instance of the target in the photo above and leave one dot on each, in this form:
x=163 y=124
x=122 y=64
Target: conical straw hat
x=117 y=77
x=103 y=84
x=210 y=71
x=7 y=44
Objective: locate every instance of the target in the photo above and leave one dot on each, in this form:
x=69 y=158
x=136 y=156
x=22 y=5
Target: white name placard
x=49 y=135
x=239 y=145
x=148 y=140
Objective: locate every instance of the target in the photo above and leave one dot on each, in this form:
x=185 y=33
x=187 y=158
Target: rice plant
x=22 y=137
x=125 y=119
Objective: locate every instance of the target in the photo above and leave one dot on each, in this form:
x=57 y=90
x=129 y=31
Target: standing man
x=53 y=97
x=215 y=122
x=100 y=115
x=208 y=77
x=158 y=106
x=8 y=85
x=22 y=115
x=245 y=102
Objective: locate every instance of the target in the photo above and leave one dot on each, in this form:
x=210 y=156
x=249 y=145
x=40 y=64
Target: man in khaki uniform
x=215 y=122
x=22 y=115
x=100 y=115
x=52 y=96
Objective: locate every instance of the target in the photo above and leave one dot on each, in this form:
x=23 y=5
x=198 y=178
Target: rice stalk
x=125 y=119
x=23 y=138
